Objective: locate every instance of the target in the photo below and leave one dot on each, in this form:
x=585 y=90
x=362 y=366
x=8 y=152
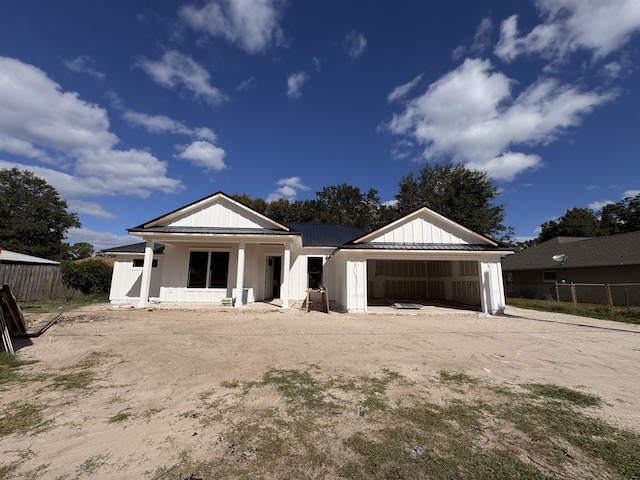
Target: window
x=139 y=263
x=314 y=271
x=549 y=276
x=208 y=269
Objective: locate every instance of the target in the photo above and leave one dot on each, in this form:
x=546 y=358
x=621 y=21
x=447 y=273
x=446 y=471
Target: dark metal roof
x=212 y=230
x=458 y=247
x=325 y=235
x=611 y=250
x=134 y=248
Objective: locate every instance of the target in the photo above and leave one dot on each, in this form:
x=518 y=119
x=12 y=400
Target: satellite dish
x=561 y=257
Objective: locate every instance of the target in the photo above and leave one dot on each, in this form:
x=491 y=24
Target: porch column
x=146 y=274
x=286 y=266
x=240 y=276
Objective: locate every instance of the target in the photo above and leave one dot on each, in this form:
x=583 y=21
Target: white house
x=218 y=248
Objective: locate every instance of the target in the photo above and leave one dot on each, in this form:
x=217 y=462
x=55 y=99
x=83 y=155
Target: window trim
x=207 y=282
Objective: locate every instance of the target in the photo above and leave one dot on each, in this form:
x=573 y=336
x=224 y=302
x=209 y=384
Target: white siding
x=419 y=230
x=220 y=214
x=493 y=300
x=126 y=279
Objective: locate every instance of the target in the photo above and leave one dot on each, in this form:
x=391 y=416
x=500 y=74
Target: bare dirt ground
x=155 y=368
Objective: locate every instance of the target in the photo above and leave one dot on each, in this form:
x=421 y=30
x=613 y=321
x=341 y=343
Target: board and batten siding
x=419 y=230
x=126 y=279
x=218 y=215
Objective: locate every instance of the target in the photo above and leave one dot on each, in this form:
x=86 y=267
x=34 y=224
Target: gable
x=425 y=226
x=216 y=211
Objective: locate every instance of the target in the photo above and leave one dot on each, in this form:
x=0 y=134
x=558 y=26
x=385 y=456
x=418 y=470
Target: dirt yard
x=127 y=393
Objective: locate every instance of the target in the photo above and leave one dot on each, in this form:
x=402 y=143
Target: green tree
x=80 y=250
x=33 y=218
x=576 y=222
x=90 y=276
x=346 y=205
x=621 y=217
x=460 y=194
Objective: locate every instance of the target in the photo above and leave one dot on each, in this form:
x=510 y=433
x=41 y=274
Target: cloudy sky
x=132 y=109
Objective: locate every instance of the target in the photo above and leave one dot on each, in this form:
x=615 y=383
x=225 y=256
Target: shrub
x=91 y=276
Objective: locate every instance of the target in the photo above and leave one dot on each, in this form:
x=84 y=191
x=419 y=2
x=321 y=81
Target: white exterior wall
x=224 y=215
x=419 y=230
x=126 y=279
x=493 y=299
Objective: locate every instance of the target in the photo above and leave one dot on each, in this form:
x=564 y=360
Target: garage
x=425 y=282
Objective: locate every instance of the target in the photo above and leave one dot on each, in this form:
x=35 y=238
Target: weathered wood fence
x=35 y=282
x=619 y=294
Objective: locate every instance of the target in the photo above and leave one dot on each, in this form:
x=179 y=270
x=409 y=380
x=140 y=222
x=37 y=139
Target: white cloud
x=176 y=70
x=164 y=124
x=631 y=193
x=245 y=84
x=41 y=122
x=252 y=25
x=597 y=206
x=203 y=154
x=481 y=40
x=99 y=240
x=295 y=81
x=288 y=190
x=402 y=91
x=470 y=116
x=354 y=44
x=317 y=63
x=598 y=26
x=84 y=64
x=89 y=208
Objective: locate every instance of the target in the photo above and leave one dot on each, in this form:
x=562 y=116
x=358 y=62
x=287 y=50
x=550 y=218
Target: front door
x=272 y=277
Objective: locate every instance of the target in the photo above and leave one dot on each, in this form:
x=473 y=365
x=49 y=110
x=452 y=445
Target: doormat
x=406 y=306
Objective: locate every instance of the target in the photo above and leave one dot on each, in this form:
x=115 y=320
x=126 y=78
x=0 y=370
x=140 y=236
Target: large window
x=208 y=269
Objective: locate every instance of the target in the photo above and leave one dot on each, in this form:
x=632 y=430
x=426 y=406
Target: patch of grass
x=602 y=312
x=63 y=305
x=121 y=416
x=80 y=376
x=92 y=464
x=568 y=395
x=147 y=414
x=458 y=377
x=296 y=387
x=22 y=418
x=10 y=369
x=7 y=470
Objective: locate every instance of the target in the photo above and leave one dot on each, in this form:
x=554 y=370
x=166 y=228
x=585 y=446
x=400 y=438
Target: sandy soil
x=156 y=364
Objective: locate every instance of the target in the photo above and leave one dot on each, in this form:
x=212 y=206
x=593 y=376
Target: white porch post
x=286 y=266
x=240 y=275
x=146 y=274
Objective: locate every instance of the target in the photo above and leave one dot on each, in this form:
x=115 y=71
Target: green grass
x=22 y=418
x=63 y=305
x=80 y=376
x=533 y=431
x=121 y=416
x=602 y=312
x=10 y=369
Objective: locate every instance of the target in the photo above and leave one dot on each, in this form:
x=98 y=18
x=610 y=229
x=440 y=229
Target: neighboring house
x=218 y=248
x=612 y=259
x=31 y=278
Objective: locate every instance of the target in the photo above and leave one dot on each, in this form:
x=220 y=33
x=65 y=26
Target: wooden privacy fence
x=612 y=294
x=35 y=282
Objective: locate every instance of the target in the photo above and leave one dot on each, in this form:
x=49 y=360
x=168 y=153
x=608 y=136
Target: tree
x=80 y=250
x=33 y=218
x=460 y=194
x=577 y=222
x=621 y=217
x=346 y=205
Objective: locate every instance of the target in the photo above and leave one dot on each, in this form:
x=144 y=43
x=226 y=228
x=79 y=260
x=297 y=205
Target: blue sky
x=132 y=109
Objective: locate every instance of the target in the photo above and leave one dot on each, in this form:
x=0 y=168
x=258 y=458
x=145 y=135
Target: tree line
x=34 y=220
